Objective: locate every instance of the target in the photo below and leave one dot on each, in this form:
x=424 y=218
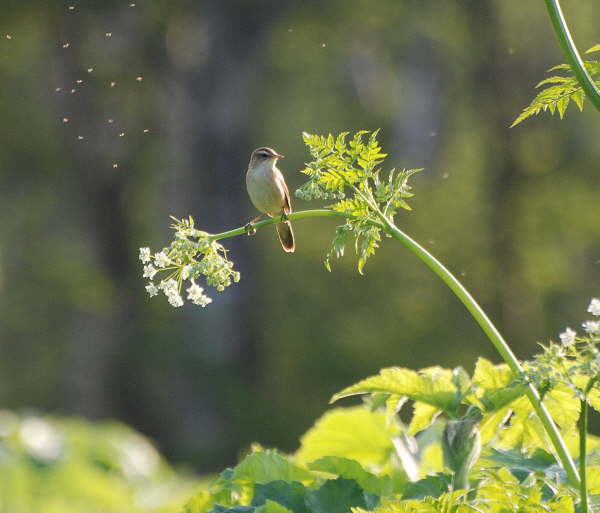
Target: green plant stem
x=499 y=343
x=484 y=322
x=574 y=59
x=583 y=423
x=302 y=214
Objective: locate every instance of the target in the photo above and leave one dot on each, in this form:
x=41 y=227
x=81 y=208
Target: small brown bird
x=269 y=193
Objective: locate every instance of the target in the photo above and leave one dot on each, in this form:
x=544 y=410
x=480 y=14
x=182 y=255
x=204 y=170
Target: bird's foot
x=284 y=216
x=250 y=230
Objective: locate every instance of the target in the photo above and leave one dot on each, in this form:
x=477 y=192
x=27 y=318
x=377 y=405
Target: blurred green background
x=117 y=114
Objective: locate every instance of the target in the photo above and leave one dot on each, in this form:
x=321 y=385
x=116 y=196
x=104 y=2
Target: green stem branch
x=574 y=59
x=583 y=423
x=482 y=319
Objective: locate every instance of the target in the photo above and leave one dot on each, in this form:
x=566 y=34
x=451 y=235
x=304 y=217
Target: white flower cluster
x=192 y=254
x=145 y=255
x=161 y=259
x=569 y=336
x=171 y=289
x=594 y=307
x=196 y=295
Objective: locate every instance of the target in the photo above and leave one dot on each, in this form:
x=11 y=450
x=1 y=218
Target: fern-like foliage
x=559 y=90
x=347 y=170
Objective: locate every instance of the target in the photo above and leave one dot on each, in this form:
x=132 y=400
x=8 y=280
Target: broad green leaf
x=563 y=406
x=272 y=507
x=519 y=463
x=495 y=385
x=350 y=469
x=593 y=477
x=492 y=423
x=266 y=466
x=432 y=386
x=355 y=433
x=423 y=416
x=200 y=503
x=336 y=496
x=430 y=486
x=233 y=509
x=291 y=495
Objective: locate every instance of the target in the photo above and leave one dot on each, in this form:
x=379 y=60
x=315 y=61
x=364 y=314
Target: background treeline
x=173 y=97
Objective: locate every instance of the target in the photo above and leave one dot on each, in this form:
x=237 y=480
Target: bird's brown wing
x=287 y=204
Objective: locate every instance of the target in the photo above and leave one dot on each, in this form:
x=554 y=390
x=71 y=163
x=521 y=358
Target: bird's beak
x=277 y=156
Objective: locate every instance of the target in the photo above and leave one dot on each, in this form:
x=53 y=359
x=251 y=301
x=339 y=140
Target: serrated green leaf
x=423 y=416
x=337 y=245
x=432 y=386
x=367 y=241
x=393 y=405
x=595 y=48
x=561 y=90
x=495 y=385
x=561 y=106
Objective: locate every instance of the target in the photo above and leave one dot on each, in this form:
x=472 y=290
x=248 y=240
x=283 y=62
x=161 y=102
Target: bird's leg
x=250 y=230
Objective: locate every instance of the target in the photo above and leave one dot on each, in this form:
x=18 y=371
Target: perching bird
x=269 y=193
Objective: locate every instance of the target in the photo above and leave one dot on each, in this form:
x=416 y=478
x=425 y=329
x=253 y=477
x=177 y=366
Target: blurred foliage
x=69 y=465
x=479 y=447
x=514 y=213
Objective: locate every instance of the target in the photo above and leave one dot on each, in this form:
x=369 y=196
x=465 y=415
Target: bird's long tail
x=286 y=236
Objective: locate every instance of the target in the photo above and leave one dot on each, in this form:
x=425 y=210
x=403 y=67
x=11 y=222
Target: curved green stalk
x=499 y=343
x=583 y=423
x=302 y=214
x=573 y=57
x=482 y=319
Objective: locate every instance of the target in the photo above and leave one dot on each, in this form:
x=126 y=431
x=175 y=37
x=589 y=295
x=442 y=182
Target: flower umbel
x=191 y=255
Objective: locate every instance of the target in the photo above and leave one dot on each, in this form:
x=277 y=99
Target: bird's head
x=264 y=154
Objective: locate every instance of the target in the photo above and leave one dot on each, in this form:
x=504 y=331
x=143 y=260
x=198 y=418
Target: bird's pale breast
x=266 y=189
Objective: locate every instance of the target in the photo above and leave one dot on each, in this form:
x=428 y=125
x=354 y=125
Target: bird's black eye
x=264 y=154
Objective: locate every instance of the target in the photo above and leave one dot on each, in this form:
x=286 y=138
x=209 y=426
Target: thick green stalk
x=302 y=214
x=499 y=343
x=484 y=322
x=583 y=423
x=574 y=59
